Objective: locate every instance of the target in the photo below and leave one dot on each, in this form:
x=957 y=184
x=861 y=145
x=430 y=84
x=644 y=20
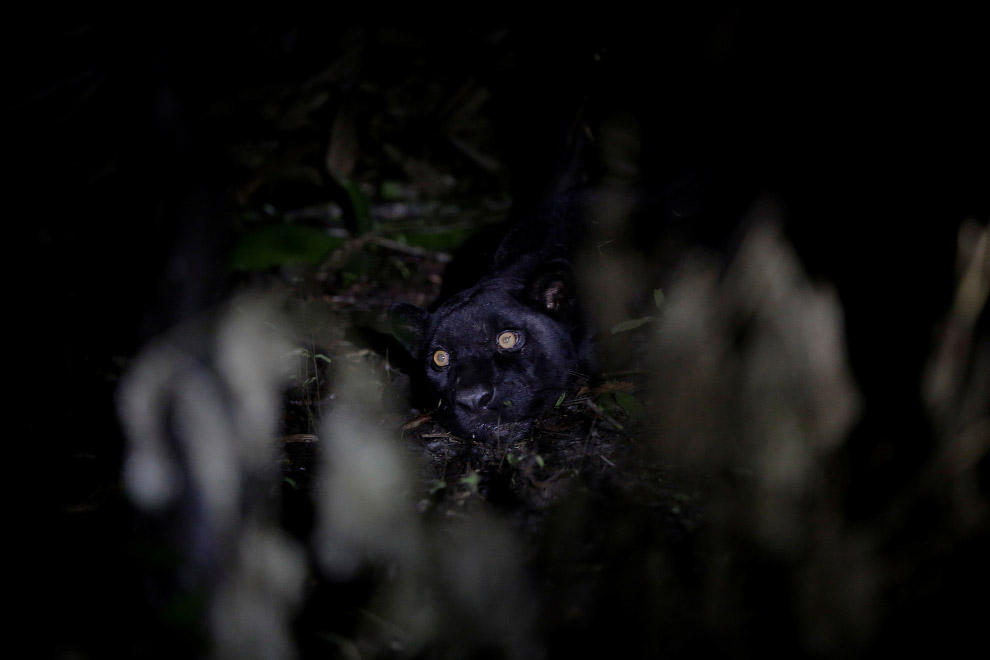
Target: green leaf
x=607 y=403
x=446 y=238
x=281 y=245
x=632 y=406
x=658 y=298
x=394 y=190
x=471 y=480
x=631 y=324
x=360 y=205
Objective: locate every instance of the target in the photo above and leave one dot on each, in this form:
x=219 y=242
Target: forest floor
x=590 y=437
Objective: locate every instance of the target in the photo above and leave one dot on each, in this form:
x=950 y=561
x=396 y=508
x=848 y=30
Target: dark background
x=871 y=129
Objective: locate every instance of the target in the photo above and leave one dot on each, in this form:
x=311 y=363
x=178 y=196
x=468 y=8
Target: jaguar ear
x=408 y=324
x=552 y=287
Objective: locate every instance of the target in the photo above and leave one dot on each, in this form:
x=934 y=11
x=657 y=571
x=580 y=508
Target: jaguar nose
x=474 y=397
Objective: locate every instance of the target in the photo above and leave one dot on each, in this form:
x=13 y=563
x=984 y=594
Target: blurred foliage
x=281 y=245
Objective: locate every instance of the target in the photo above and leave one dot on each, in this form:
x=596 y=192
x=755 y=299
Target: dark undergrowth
x=785 y=453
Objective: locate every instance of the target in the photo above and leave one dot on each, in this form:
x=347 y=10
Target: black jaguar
x=497 y=355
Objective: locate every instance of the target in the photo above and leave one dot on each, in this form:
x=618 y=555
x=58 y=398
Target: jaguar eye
x=508 y=339
x=441 y=358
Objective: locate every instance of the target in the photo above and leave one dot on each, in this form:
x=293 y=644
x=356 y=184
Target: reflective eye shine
x=441 y=358
x=508 y=339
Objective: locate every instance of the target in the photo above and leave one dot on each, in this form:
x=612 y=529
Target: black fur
x=482 y=389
